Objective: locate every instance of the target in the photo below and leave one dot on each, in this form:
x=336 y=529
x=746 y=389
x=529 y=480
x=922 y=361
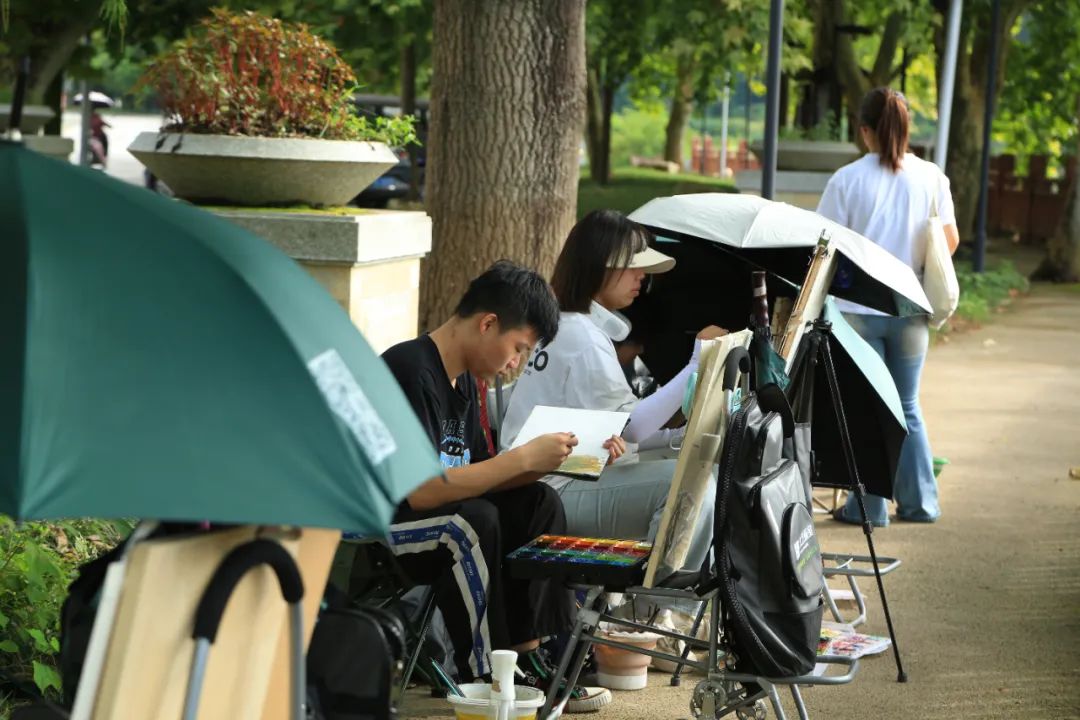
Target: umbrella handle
x=737 y=360
x=772 y=398
x=232 y=569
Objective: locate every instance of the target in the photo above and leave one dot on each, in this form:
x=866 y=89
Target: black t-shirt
x=449 y=413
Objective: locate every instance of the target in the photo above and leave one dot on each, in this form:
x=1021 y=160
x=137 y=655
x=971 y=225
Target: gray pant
x=628 y=502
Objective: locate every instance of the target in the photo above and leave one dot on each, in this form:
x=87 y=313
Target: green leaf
x=8 y=646
x=45 y=677
x=40 y=642
x=3 y=620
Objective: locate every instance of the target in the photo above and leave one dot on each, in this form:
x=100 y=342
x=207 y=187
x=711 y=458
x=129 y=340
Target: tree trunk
x=594 y=120
x=857 y=83
x=964 y=161
x=680 y=110
x=507 y=102
x=601 y=173
x=53 y=99
x=51 y=57
x=1062 y=261
x=408 y=107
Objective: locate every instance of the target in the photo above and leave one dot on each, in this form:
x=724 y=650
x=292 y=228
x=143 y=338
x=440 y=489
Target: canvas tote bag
x=939 y=275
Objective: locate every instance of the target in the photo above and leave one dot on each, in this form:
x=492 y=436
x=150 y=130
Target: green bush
x=638 y=131
x=983 y=293
x=253 y=75
x=38 y=560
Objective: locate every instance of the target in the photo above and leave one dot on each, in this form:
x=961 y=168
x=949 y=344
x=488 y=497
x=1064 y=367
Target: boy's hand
x=616 y=446
x=547 y=452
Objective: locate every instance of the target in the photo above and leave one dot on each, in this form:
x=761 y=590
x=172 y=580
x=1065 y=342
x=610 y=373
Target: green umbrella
x=159 y=362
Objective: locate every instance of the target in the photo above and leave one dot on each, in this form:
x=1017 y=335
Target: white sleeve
x=832 y=203
x=654 y=411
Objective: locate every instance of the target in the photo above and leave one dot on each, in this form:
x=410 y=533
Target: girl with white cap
x=600 y=271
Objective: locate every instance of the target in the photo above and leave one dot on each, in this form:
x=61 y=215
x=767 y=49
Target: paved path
x=987 y=604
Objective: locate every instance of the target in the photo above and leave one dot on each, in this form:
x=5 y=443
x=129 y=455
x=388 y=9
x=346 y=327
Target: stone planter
x=34 y=117
x=52 y=145
x=810 y=155
x=253 y=171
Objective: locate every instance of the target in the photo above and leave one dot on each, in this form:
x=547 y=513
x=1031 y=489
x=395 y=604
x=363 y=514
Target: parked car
x=394 y=183
x=391 y=185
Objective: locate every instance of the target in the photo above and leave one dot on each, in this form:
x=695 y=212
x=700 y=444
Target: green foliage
x=630 y=188
x=827 y=129
x=638 y=130
x=981 y=294
x=37 y=562
x=1036 y=113
x=248 y=74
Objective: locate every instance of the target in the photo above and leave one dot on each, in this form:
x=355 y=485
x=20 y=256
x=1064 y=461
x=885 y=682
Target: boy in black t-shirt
x=461 y=526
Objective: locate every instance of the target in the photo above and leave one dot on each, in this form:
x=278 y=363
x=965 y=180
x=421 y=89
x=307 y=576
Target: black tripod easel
x=816 y=343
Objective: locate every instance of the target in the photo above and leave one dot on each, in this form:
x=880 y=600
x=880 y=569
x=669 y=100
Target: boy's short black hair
x=517 y=295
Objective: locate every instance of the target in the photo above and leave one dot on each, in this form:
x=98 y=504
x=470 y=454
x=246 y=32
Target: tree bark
x=681 y=101
x=51 y=54
x=507 y=103
x=408 y=107
x=594 y=120
x=601 y=173
x=964 y=160
x=855 y=82
x=1062 y=261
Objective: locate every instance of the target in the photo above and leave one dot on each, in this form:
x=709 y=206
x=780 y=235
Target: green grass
x=630 y=188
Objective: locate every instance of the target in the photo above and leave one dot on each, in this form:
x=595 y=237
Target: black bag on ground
x=766 y=549
x=354 y=663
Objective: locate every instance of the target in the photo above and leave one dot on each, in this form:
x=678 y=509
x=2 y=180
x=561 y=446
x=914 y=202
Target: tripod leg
x=860 y=494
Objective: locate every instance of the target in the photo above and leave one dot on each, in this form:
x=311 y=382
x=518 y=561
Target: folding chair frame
x=389 y=584
x=722 y=692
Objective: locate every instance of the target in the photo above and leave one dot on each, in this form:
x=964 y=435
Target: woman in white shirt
x=601 y=270
x=888 y=195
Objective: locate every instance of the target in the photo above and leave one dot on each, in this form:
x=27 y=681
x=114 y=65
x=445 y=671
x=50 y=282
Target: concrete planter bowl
x=34 y=118
x=810 y=155
x=258 y=171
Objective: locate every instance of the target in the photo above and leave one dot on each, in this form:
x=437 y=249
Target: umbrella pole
x=825 y=328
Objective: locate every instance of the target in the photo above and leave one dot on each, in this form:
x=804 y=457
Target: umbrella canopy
x=872 y=409
x=97 y=99
x=779 y=238
x=160 y=362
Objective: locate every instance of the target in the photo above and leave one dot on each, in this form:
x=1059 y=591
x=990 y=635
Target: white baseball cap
x=649 y=260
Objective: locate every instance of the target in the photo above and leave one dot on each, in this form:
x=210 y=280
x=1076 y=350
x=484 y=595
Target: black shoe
x=539 y=672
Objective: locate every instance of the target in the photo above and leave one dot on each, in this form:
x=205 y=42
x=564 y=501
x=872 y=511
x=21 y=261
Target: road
x=125 y=127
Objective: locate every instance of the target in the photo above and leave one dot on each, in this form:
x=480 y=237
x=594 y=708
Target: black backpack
x=355 y=662
x=766 y=549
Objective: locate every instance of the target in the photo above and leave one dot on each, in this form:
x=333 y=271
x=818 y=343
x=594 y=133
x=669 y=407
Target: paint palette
x=588 y=561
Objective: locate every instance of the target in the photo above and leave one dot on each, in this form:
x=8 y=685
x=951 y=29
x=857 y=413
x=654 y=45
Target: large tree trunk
x=964 y=160
x=507 y=102
x=408 y=107
x=681 y=101
x=857 y=83
x=594 y=120
x=601 y=172
x=1062 y=261
x=52 y=52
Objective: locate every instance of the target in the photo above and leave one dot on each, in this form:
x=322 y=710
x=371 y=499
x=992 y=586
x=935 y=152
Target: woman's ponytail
x=885 y=112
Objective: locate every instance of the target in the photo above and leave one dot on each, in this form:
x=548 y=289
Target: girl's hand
x=616 y=446
x=711 y=333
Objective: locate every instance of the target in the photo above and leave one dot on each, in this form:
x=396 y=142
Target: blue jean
x=902 y=343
